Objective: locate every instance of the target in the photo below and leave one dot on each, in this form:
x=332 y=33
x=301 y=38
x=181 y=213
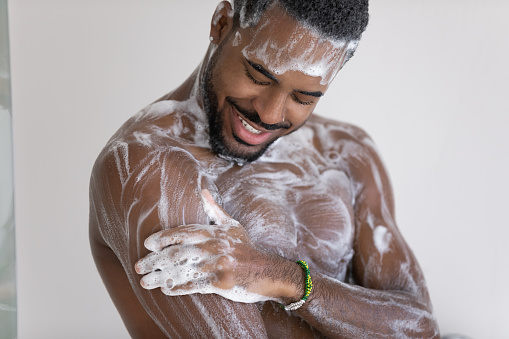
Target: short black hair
x=339 y=20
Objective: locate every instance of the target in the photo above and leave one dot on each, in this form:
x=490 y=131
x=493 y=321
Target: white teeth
x=248 y=126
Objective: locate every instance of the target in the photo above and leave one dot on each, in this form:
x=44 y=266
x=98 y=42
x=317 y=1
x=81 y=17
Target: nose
x=271 y=106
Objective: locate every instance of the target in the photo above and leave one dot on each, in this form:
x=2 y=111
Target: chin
x=235 y=151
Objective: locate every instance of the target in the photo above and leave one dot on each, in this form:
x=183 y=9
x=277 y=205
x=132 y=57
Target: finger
x=200 y=285
x=147 y=263
x=188 y=234
x=171 y=258
x=152 y=280
x=214 y=211
x=173 y=277
x=159 y=240
x=181 y=276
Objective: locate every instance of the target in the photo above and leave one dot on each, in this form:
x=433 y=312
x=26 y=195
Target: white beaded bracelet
x=294 y=306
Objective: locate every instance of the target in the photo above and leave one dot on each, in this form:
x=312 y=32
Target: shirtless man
x=228 y=211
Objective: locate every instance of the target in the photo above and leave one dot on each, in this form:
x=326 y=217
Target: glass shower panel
x=8 y=315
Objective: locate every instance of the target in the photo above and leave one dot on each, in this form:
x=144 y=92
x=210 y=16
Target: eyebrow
x=263 y=71
x=313 y=94
x=269 y=75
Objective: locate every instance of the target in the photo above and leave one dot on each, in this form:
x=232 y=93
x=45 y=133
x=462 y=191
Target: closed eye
x=250 y=76
x=294 y=97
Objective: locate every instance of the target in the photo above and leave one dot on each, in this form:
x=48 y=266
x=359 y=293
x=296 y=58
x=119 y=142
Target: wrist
x=293 y=289
x=278 y=278
x=304 y=290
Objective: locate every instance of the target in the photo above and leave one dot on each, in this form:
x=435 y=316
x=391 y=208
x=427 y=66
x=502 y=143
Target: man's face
x=264 y=82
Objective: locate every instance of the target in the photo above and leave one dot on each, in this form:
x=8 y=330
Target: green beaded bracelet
x=307 y=291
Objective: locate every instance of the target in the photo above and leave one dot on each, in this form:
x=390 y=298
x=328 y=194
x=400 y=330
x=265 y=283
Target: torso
x=294 y=207
x=297 y=200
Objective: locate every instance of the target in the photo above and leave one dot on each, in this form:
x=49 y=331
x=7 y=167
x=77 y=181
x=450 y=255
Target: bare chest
x=293 y=212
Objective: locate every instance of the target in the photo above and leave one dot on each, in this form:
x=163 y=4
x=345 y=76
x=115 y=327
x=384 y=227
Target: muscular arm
x=135 y=192
x=391 y=299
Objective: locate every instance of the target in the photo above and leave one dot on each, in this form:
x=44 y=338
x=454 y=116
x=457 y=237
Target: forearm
x=340 y=310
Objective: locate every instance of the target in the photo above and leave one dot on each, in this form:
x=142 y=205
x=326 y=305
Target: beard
x=232 y=152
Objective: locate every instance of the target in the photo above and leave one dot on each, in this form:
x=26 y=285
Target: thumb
x=215 y=212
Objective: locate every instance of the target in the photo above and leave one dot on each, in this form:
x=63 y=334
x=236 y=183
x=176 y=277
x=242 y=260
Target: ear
x=222 y=22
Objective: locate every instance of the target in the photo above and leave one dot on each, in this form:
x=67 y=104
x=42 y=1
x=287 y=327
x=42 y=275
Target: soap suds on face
x=238 y=39
x=304 y=50
x=324 y=65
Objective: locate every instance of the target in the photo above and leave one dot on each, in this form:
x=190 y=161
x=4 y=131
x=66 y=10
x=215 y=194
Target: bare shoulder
x=353 y=151
x=161 y=125
x=161 y=129
x=331 y=132
x=346 y=142
x=150 y=156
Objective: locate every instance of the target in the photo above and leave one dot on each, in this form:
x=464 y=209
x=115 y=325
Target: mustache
x=255 y=118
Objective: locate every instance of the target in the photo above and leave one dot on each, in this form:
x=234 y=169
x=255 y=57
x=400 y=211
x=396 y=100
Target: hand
x=214 y=258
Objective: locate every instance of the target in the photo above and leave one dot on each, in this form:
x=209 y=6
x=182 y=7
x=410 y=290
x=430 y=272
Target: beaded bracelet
x=308 y=287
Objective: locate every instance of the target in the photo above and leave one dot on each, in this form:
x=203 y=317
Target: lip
x=243 y=134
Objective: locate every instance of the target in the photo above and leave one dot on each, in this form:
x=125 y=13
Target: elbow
x=416 y=321
x=429 y=329
x=423 y=326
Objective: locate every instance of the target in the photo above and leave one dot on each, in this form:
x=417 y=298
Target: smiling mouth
x=248 y=127
x=244 y=132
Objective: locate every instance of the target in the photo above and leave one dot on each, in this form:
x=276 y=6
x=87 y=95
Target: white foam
x=304 y=50
x=217 y=13
x=277 y=58
x=382 y=239
x=238 y=39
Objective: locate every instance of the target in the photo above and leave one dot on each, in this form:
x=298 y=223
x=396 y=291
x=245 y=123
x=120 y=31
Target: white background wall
x=429 y=82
